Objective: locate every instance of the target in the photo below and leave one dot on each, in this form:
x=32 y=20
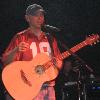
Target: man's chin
x=38 y=26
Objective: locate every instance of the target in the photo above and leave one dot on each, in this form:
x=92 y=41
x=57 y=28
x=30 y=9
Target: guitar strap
x=50 y=40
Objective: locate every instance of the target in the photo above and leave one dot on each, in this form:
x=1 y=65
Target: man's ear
x=27 y=18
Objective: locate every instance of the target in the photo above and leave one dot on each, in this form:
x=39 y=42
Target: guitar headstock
x=92 y=39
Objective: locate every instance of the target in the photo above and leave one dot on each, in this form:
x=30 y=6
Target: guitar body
x=21 y=79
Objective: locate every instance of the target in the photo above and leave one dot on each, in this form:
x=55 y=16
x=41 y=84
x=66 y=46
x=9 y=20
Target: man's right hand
x=8 y=57
x=23 y=46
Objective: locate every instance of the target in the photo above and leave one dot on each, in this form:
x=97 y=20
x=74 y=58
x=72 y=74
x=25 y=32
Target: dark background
x=75 y=18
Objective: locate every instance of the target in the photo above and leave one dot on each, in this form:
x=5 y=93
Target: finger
x=24 y=45
x=23 y=48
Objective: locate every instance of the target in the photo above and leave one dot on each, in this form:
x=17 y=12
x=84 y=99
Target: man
x=28 y=43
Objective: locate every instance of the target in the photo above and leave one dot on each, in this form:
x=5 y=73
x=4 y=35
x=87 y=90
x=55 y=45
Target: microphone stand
x=83 y=63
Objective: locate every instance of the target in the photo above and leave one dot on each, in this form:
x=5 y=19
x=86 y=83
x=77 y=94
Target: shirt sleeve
x=14 y=42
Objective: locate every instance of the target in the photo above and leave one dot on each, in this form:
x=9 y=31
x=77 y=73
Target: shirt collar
x=42 y=35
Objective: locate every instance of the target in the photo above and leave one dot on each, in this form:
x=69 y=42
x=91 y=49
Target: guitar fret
x=81 y=45
x=84 y=43
x=59 y=57
x=66 y=54
x=48 y=64
x=62 y=56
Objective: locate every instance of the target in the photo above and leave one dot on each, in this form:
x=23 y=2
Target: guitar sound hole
x=39 y=69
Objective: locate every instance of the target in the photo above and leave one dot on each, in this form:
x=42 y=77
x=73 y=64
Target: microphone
x=50 y=28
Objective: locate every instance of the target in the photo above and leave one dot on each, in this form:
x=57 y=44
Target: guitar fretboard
x=73 y=50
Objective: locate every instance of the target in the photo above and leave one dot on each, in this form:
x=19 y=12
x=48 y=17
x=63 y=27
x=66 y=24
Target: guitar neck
x=67 y=53
x=73 y=50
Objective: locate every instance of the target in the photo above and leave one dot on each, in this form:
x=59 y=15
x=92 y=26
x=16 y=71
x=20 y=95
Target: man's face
x=37 y=20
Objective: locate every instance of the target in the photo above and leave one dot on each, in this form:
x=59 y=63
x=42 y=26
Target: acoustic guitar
x=24 y=79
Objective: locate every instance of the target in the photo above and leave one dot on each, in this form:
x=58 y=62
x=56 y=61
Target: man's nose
x=40 y=17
